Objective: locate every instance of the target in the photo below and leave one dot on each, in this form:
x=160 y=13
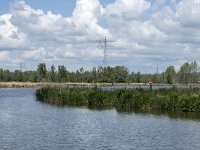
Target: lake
x=29 y=124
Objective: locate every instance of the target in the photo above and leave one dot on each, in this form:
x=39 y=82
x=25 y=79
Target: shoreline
x=87 y=85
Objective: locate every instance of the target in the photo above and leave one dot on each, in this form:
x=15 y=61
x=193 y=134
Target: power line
x=21 y=66
x=105 y=42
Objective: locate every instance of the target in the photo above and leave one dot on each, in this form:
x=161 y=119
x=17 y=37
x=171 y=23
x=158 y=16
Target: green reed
x=185 y=100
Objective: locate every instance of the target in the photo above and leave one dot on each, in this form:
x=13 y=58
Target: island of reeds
x=172 y=100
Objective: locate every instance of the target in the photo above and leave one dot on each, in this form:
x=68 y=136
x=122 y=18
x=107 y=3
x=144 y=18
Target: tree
x=170 y=74
x=62 y=73
x=1 y=74
x=193 y=72
x=32 y=76
x=184 y=73
x=188 y=73
x=7 y=75
x=52 y=74
x=100 y=72
x=81 y=70
x=41 y=71
x=138 y=77
x=18 y=76
x=121 y=73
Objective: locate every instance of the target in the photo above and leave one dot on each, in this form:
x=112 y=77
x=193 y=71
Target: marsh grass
x=175 y=100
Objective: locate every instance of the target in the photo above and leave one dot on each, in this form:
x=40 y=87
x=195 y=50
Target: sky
x=146 y=33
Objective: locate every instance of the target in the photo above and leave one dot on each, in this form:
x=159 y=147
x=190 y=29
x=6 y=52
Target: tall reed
x=185 y=100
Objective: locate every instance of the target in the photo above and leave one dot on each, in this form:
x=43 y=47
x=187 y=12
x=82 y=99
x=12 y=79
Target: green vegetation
x=175 y=100
x=187 y=74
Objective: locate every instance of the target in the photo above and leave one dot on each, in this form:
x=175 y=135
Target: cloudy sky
x=146 y=33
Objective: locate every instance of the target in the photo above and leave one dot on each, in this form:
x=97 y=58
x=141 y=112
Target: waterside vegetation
x=172 y=100
x=187 y=74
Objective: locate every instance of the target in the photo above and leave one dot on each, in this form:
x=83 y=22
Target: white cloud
x=38 y=54
x=10 y=37
x=162 y=32
x=93 y=53
x=86 y=16
x=54 y=27
x=188 y=13
x=157 y=4
x=4 y=56
x=127 y=9
x=65 y=51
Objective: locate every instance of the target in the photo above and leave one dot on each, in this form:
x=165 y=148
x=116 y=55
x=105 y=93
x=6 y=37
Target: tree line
x=188 y=73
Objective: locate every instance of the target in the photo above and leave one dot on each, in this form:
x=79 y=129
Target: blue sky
x=147 y=33
x=64 y=7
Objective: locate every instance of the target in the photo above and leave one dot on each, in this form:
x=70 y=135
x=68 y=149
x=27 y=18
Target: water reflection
x=28 y=124
x=172 y=115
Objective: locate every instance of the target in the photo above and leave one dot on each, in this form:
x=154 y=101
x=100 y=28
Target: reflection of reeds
x=185 y=100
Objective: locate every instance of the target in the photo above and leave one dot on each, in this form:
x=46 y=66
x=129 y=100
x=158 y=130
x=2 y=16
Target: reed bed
x=175 y=100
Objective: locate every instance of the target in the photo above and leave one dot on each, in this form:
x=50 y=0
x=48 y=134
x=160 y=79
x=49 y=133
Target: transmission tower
x=21 y=66
x=105 y=46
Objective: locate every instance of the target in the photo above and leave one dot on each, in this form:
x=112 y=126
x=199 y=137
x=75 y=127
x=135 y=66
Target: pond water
x=28 y=124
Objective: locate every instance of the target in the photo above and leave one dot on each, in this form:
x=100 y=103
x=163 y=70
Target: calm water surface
x=28 y=124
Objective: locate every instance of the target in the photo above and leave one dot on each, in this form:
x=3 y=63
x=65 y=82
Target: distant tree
x=62 y=73
x=42 y=72
x=32 y=76
x=193 y=72
x=7 y=75
x=80 y=75
x=94 y=72
x=121 y=73
x=131 y=78
x=109 y=74
x=154 y=78
x=170 y=74
x=188 y=73
x=81 y=70
x=1 y=74
x=184 y=73
x=52 y=74
x=18 y=76
x=138 y=77
x=100 y=74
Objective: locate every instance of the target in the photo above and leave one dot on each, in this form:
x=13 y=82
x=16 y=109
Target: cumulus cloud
x=86 y=16
x=146 y=33
x=50 y=27
x=10 y=36
x=188 y=13
x=37 y=54
x=4 y=56
x=178 y=30
x=127 y=9
x=157 y=4
x=65 y=51
x=57 y=35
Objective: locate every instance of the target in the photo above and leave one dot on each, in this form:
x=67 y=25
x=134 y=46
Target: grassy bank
x=88 y=85
x=64 y=84
x=50 y=84
x=185 y=100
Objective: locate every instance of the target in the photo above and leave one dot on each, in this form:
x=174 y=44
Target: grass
x=53 y=84
x=175 y=100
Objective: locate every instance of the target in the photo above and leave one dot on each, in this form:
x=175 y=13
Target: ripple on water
x=28 y=124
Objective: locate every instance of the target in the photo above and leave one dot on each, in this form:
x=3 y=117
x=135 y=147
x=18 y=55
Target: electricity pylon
x=105 y=46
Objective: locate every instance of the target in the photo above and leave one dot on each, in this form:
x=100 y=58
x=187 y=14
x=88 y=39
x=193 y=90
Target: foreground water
x=28 y=124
